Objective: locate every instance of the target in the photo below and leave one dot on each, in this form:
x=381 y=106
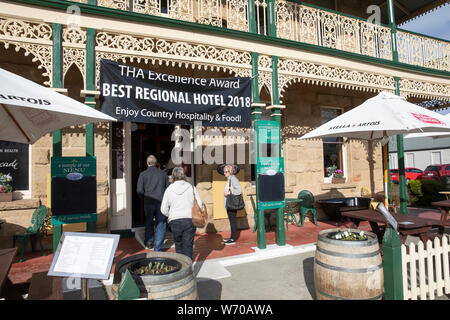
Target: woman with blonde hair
x=232 y=186
x=177 y=205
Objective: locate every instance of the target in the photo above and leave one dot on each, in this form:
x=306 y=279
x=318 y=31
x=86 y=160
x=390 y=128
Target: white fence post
x=431 y=265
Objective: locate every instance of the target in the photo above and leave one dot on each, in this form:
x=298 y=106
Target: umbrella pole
x=15 y=122
x=385 y=176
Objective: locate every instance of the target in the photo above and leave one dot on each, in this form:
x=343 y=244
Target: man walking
x=151 y=184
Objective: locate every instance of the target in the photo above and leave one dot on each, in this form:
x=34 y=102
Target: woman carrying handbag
x=177 y=204
x=233 y=200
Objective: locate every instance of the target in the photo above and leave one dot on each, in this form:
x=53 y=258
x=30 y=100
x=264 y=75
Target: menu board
x=14 y=160
x=84 y=255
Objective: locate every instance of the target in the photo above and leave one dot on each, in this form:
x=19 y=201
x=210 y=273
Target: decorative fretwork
x=14 y=29
x=32 y=37
x=115 y=4
x=210 y=12
x=181 y=10
x=74 y=50
x=422 y=51
x=152 y=7
x=265 y=73
x=425 y=90
x=237 y=15
x=121 y=47
x=291 y=71
x=311 y=25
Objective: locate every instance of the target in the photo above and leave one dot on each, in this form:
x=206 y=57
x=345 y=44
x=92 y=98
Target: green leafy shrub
x=430 y=191
x=415 y=191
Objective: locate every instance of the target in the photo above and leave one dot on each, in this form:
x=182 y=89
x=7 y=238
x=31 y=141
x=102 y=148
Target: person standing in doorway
x=232 y=186
x=151 y=185
x=177 y=206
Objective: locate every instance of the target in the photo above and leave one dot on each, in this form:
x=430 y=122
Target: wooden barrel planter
x=348 y=270
x=179 y=284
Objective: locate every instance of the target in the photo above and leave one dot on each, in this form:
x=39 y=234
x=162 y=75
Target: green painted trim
x=252 y=16
x=57 y=80
x=138 y=17
x=90 y=59
x=275 y=92
x=255 y=81
x=271 y=18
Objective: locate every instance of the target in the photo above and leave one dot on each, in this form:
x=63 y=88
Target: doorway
x=147 y=139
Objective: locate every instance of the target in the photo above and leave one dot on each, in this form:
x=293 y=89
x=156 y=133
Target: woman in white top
x=177 y=205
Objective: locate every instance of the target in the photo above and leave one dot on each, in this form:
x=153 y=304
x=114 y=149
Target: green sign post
x=270 y=190
x=73 y=191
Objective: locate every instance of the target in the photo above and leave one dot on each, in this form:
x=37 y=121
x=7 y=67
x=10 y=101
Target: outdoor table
x=407 y=224
x=444 y=206
x=6 y=260
x=290 y=207
x=446 y=193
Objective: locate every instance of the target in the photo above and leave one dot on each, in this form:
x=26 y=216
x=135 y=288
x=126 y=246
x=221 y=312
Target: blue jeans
x=183 y=235
x=154 y=235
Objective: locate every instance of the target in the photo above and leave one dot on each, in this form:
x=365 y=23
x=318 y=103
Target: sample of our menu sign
x=14 y=161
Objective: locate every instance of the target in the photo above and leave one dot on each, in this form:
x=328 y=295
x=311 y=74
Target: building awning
x=406 y=10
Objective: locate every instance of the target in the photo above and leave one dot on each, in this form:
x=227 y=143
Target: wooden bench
x=43 y=287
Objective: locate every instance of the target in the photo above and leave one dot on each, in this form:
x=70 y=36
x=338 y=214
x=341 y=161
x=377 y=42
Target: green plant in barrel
x=347 y=235
x=154 y=268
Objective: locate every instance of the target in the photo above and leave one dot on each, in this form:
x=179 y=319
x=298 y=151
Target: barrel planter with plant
x=348 y=266
x=159 y=276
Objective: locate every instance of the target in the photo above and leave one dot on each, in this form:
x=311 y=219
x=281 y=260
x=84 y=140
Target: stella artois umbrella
x=28 y=110
x=380 y=117
x=434 y=135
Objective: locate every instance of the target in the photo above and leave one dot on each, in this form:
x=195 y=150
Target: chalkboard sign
x=14 y=160
x=73 y=190
x=270 y=183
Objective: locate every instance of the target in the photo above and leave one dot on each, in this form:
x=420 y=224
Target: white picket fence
x=426 y=272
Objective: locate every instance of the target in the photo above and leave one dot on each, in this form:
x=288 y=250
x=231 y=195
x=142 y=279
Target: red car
x=410 y=174
x=436 y=171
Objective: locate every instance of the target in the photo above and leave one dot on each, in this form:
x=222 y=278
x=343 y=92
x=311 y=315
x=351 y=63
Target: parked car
x=436 y=171
x=410 y=174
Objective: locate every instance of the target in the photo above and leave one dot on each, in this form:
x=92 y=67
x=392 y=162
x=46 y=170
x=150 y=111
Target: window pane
x=332 y=147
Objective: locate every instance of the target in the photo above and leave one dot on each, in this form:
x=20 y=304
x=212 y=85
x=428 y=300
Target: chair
x=307 y=205
x=266 y=216
x=37 y=219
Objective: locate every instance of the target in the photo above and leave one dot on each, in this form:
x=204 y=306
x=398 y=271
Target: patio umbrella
x=28 y=110
x=380 y=117
x=434 y=135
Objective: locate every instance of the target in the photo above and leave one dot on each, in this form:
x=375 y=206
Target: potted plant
x=338 y=176
x=6 y=190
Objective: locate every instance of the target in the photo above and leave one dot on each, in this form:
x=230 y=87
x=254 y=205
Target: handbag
x=199 y=216
x=234 y=201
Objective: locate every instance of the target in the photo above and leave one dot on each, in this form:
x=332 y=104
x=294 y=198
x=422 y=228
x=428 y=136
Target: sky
x=435 y=24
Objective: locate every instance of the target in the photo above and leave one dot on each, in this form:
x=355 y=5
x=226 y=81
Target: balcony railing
x=300 y=22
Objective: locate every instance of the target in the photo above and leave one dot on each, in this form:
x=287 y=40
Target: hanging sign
x=132 y=94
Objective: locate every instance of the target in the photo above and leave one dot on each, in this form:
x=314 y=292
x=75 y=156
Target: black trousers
x=233 y=224
x=183 y=235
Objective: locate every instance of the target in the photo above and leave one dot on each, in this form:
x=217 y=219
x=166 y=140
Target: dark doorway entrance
x=147 y=139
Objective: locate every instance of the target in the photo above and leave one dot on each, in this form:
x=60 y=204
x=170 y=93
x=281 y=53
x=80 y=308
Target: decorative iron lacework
x=426 y=90
x=74 y=50
x=120 y=47
x=291 y=71
x=33 y=37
